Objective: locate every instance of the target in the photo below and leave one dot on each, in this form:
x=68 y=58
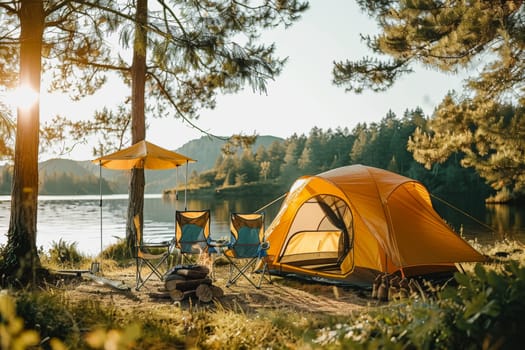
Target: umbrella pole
x=186 y=187
x=100 y=202
x=176 y=196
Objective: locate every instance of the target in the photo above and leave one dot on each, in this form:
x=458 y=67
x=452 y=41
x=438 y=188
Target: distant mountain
x=59 y=166
x=205 y=150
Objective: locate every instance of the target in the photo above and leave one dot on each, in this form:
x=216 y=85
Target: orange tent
x=354 y=222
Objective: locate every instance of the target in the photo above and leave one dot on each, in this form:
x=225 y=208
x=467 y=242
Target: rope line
x=272 y=202
x=463 y=212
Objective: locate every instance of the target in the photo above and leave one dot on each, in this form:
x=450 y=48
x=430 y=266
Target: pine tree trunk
x=21 y=258
x=138 y=122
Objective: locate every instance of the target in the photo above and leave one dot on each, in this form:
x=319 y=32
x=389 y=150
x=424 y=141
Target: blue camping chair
x=192 y=232
x=247 y=248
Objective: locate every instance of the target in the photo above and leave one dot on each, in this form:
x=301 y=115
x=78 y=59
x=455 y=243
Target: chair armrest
x=156 y=244
x=263 y=247
x=217 y=243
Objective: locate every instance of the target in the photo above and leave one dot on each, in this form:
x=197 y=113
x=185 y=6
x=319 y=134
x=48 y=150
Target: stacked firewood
x=392 y=287
x=187 y=280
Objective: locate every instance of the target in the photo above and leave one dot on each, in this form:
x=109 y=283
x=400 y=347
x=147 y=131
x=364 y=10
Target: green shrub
x=485 y=310
x=489 y=307
x=12 y=333
x=48 y=314
x=118 y=251
x=42 y=321
x=65 y=254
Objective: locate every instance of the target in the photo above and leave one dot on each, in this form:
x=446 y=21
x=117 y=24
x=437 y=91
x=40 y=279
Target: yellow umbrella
x=145 y=155
x=142 y=154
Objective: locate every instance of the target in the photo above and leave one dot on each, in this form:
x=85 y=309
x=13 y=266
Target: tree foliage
x=493 y=145
x=72 y=40
x=195 y=50
x=193 y=55
x=443 y=35
x=484 y=38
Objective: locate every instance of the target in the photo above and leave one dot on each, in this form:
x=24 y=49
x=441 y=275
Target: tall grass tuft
x=65 y=254
x=230 y=329
x=118 y=251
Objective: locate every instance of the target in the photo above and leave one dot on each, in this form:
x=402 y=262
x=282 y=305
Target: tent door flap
x=313 y=250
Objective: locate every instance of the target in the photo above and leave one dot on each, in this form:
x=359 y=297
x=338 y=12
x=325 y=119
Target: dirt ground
x=282 y=293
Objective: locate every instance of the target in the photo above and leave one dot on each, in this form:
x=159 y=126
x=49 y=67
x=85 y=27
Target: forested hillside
x=383 y=145
x=206 y=150
x=275 y=162
x=65 y=176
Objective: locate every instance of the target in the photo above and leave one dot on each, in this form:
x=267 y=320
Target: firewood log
x=194 y=273
x=217 y=291
x=382 y=291
x=204 y=293
x=189 y=271
x=159 y=295
x=174 y=276
x=185 y=284
x=178 y=295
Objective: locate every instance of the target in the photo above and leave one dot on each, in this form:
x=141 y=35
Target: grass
x=485 y=310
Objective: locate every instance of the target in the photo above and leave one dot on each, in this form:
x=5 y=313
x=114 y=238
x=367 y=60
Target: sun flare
x=22 y=97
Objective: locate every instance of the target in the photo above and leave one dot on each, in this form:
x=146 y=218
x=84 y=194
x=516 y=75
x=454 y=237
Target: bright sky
x=302 y=97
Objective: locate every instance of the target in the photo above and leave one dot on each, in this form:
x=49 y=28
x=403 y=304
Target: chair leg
x=265 y=271
x=142 y=281
x=241 y=271
x=154 y=270
x=212 y=258
x=138 y=278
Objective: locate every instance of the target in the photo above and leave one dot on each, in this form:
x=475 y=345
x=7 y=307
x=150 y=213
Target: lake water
x=80 y=218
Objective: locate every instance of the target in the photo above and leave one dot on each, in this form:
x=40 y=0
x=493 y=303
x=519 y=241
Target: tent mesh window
x=321 y=235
